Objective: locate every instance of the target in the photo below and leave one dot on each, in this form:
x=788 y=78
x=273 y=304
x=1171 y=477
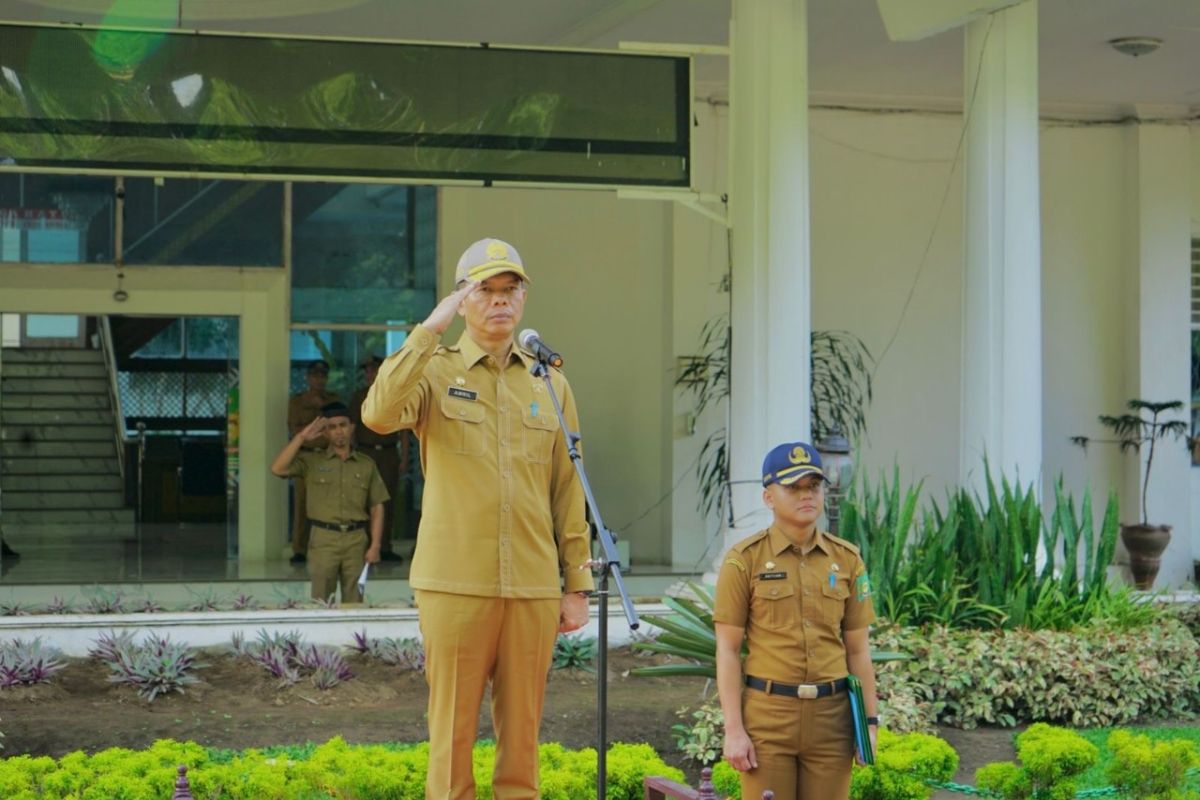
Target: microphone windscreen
x=526 y=338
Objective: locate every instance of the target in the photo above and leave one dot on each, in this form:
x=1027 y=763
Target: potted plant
x=1144 y=541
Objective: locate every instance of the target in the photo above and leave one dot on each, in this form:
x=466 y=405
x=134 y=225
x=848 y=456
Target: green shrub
x=574 y=652
x=332 y=770
x=701 y=735
x=974 y=561
x=1051 y=761
x=1084 y=678
x=1143 y=770
x=903 y=764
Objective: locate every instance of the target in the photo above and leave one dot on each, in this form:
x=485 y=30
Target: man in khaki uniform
x=500 y=565
x=388 y=450
x=345 y=497
x=800 y=598
x=303 y=408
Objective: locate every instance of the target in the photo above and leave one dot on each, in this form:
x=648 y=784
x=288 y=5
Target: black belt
x=391 y=446
x=805 y=691
x=344 y=527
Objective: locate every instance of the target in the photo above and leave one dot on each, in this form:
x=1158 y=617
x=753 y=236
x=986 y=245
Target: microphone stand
x=609 y=563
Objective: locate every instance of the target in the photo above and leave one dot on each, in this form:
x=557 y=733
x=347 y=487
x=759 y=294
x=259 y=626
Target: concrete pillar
x=769 y=203
x=1157 y=328
x=1002 y=328
x=263 y=397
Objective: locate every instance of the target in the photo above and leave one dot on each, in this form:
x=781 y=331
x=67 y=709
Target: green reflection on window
x=59 y=219
x=363 y=253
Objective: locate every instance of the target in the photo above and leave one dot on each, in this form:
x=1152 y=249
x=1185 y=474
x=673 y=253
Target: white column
x=1157 y=330
x=769 y=204
x=1002 y=322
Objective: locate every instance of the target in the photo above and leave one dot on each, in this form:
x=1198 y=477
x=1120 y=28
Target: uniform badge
x=772 y=576
x=832 y=579
x=461 y=381
x=834 y=567
x=464 y=394
x=862 y=587
x=533 y=408
x=769 y=565
x=736 y=563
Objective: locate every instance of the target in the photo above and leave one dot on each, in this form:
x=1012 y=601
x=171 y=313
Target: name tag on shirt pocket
x=539 y=437
x=772 y=576
x=464 y=428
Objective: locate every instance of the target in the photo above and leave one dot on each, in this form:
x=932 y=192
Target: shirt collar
x=472 y=353
x=779 y=542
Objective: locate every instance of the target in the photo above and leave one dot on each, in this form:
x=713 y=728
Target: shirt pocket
x=539 y=438
x=833 y=601
x=774 y=605
x=463 y=423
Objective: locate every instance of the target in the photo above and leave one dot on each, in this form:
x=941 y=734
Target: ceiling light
x=1135 y=45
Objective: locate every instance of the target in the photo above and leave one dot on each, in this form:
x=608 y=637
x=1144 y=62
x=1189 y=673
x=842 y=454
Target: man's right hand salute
x=440 y=318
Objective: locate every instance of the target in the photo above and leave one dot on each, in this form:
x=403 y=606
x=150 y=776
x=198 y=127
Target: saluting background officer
x=800 y=599
x=303 y=408
x=345 y=498
x=499 y=567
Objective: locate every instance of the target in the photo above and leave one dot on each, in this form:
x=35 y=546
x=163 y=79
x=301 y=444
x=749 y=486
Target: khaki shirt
x=503 y=510
x=303 y=408
x=793 y=605
x=362 y=434
x=339 y=490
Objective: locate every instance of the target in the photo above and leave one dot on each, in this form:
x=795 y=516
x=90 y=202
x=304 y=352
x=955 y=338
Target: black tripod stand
x=608 y=563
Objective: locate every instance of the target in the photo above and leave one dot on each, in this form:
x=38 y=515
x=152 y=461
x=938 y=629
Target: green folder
x=858 y=717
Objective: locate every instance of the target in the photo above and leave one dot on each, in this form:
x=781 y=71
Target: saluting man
x=344 y=502
x=500 y=564
x=801 y=600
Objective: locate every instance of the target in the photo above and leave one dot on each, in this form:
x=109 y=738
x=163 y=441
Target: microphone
x=531 y=341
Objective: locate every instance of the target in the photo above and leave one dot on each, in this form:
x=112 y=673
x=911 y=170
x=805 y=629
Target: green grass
x=1094 y=777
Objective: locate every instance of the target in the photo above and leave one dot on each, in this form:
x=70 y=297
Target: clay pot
x=1145 y=544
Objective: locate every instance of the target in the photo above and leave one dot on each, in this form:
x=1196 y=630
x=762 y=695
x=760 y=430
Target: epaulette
x=749 y=540
x=851 y=546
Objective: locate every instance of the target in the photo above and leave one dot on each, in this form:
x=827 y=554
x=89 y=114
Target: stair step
x=59 y=466
x=22 y=534
x=74 y=516
x=62 y=501
x=70 y=386
x=45 y=355
x=57 y=433
x=11 y=401
x=55 y=416
x=43 y=449
x=53 y=370
x=80 y=482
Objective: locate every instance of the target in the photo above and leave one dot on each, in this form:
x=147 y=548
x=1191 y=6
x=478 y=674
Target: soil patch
x=238 y=705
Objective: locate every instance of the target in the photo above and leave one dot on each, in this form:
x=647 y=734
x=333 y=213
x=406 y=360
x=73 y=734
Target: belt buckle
x=806 y=691
x=343 y=527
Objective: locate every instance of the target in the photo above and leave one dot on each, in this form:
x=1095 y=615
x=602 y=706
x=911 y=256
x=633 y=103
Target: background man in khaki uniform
x=345 y=498
x=303 y=408
x=388 y=450
x=500 y=564
x=800 y=598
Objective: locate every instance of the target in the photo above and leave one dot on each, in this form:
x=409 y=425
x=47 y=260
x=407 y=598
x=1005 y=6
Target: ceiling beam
x=910 y=20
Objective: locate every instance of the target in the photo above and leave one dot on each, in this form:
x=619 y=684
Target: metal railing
x=120 y=434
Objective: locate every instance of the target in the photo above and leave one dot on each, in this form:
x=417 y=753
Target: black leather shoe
x=299 y=558
x=388 y=555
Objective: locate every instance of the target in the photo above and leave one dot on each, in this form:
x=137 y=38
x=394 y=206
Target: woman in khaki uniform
x=800 y=599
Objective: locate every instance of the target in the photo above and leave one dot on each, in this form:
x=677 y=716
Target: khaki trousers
x=804 y=747
x=299 y=516
x=468 y=641
x=334 y=556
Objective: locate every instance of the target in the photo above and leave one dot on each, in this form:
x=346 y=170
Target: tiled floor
x=161 y=553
